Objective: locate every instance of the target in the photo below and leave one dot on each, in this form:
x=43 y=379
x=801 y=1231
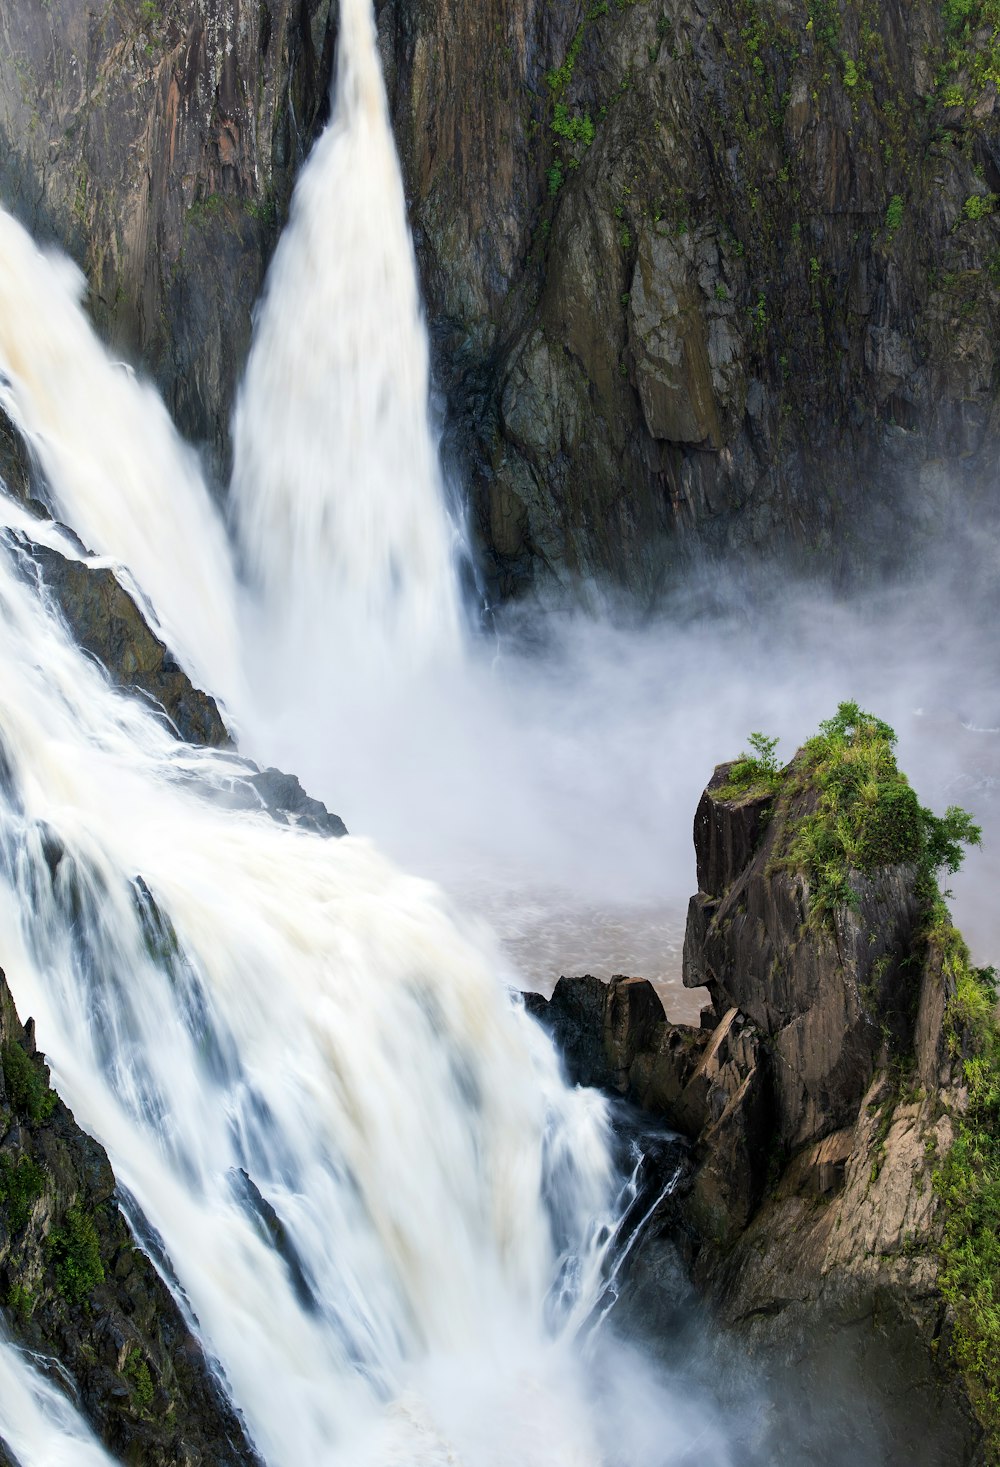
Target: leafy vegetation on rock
x=755 y=773
x=968 y=1177
x=867 y=815
x=76 y=1252
x=21 y=1183
x=26 y=1087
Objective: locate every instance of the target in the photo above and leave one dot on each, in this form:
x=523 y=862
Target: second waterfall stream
x=230 y=1004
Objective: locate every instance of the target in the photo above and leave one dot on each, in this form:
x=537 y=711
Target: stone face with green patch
x=74 y=1287
x=820 y=919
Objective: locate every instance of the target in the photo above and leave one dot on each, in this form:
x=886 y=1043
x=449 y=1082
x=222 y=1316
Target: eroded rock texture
x=820 y=1094
x=703 y=276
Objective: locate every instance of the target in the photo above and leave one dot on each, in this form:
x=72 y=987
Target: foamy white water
x=37 y=1421
x=337 y=492
x=239 y=1009
x=114 y=464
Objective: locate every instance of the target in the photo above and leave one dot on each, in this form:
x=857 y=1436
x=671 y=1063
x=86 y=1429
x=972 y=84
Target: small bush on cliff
x=867 y=815
x=21 y=1183
x=754 y=773
x=26 y=1088
x=76 y=1253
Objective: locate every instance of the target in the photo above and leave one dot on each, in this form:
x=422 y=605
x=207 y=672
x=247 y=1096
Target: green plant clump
x=867 y=816
x=76 y=1253
x=979 y=206
x=136 y=1372
x=755 y=773
x=894 y=215
x=968 y=1178
x=21 y=1182
x=27 y=1090
x=573 y=129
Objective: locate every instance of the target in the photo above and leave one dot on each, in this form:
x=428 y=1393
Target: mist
x=549 y=777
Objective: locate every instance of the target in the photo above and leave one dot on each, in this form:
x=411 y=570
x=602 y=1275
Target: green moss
x=76 y=1253
x=140 y=1382
x=26 y=1088
x=21 y=1301
x=968 y=1178
x=21 y=1183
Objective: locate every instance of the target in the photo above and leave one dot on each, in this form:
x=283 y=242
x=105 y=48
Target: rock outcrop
x=106 y=622
x=79 y=1294
x=823 y=1095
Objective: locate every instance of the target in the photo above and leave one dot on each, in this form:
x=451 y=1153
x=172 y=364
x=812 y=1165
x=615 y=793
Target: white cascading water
x=225 y=998
x=241 y=1010
x=337 y=492
x=113 y=463
x=37 y=1421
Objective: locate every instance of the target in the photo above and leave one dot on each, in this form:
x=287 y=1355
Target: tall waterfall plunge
x=337 y=490
x=230 y=1004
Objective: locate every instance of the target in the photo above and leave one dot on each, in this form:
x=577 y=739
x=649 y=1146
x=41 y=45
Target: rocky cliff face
x=824 y=1095
x=157 y=141
x=78 y=1292
x=706 y=276
x=701 y=277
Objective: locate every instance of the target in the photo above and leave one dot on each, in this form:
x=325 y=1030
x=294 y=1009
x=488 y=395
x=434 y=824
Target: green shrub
x=968 y=1178
x=26 y=1088
x=21 y=1182
x=76 y=1253
x=753 y=773
x=573 y=129
x=866 y=817
x=979 y=206
x=136 y=1372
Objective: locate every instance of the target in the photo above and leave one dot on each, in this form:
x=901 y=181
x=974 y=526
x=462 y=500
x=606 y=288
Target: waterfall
x=113 y=463
x=256 y=1022
x=337 y=493
x=37 y=1421
x=242 y=1011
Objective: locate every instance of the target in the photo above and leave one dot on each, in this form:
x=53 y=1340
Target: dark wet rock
x=754 y=313
x=280 y=795
x=15 y=466
x=824 y=997
x=819 y=1103
x=284 y=798
x=75 y=1289
x=106 y=622
x=602 y=1029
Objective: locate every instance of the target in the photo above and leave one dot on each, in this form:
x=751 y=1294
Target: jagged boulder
x=826 y=995
x=76 y=1290
x=106 y=622
x=841 y=1216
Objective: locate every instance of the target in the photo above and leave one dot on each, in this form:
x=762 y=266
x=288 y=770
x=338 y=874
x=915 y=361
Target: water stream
x=240 y=1010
